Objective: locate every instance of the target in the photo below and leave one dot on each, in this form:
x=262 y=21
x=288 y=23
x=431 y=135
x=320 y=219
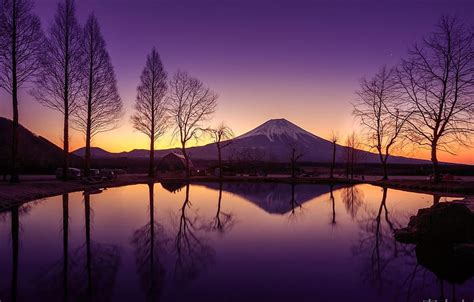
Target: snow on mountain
x=275 y=129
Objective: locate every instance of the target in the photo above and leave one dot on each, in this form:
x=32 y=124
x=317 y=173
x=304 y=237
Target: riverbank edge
x=16 y=194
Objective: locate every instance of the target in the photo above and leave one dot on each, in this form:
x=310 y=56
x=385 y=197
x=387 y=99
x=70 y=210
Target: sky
x=293 y=59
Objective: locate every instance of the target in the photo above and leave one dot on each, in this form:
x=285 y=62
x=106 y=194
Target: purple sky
x=266 y=59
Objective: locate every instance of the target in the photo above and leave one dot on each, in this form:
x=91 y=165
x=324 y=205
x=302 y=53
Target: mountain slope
x=34 y=152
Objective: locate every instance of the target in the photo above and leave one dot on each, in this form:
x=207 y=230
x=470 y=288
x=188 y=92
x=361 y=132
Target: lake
x=218 y=242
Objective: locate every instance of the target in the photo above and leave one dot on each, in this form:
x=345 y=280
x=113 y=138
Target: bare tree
x=334 y=139
x=296 y=152
x=60 y=82
x=20 y=41
x=151 y=117
x=191 y=104
x=101 y=107
x=377 y=110
x=221 y=136
x=438 y=84
x=352 y=154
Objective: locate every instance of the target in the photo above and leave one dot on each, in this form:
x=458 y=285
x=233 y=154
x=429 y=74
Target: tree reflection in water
x=296 y=208
x=151 y=244
x=353 y=198
x=222 y=222
x=394 y=266
x=193 y=254
x=333 y=203
x=86 y=274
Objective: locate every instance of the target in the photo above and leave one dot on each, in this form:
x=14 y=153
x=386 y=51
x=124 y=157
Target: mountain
x=34 y=152
x=274 y=140
x=271 y=141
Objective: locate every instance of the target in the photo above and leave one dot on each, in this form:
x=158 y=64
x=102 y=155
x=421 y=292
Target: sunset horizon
x=236 y=150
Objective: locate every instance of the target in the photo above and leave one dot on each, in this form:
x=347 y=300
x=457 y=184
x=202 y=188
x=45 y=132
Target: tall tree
x=21 y=39
x=191 y=104
x=100 y=107
x=151 y=116
x=221 y=136
x=60 y=82
x=438 y=84
x=378 y=111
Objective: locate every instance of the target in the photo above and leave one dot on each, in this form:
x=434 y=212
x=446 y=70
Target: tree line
x=70 y=71
x=427 y=100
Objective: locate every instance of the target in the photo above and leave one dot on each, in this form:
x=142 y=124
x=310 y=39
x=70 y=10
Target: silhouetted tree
x=191 y=104
x=60 y=82
x=150 y=115
x=352 y=154
x=20 y=41
x=296 y=152
x=438 y=84
x=378 y=111
x=334 y=139
x=221 y=136
x=100 y=107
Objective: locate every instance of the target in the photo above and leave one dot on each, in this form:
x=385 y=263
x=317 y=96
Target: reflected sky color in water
x=212 y=242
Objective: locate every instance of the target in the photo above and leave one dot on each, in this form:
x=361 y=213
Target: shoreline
x=17 y=194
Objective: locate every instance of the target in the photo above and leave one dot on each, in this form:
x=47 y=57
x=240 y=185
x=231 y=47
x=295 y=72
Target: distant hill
x=271 y=141
x=35 y=153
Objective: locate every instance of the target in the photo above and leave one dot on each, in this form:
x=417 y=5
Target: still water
x=211 y=242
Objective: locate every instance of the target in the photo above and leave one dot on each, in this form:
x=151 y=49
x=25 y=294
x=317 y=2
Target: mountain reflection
x=276 y=198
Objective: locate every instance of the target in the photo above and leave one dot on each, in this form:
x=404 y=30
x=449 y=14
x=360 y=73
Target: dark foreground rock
x=444 y=223
x=444 y=238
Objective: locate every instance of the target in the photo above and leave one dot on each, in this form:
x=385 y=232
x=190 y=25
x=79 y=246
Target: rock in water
x=442 y=223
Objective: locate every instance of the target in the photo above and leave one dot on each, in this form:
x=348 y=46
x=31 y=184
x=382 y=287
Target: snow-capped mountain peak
x=277 y=128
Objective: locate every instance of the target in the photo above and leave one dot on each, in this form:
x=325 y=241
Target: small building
x=173 y=165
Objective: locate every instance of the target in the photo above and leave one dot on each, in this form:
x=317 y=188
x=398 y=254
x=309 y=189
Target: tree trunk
x=219 y=156
x=385 y=170
x=14 y=156
x=333 y=164
x=434 y=160
x=186 y=159
x=87 y=157
x=151 y=168
x=66 y=145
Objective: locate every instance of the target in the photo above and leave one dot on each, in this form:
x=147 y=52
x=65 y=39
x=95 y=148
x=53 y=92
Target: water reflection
x=193 y=253
x=150 y=243
x=223 y=221
x=353 y=198
x=224 y=241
